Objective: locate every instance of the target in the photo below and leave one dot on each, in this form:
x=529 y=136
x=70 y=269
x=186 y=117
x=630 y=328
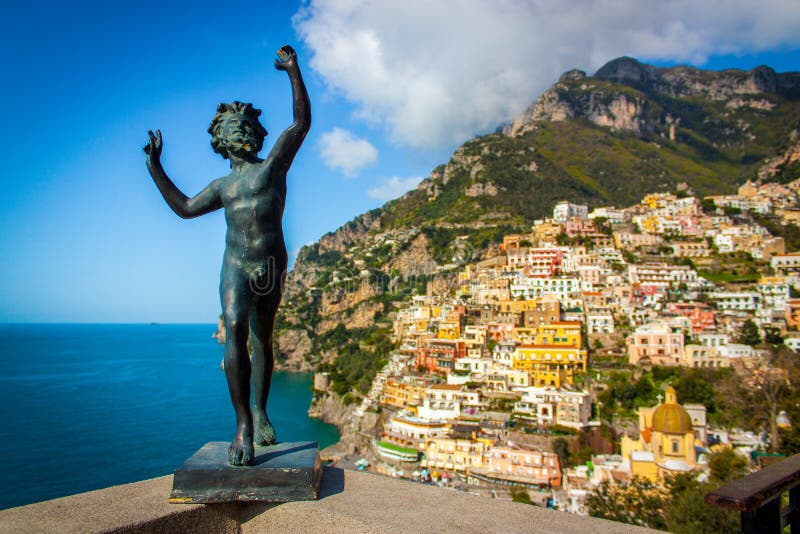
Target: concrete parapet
x=350 y=501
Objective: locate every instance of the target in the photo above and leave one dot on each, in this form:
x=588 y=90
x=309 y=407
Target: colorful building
x=661 y=343
x=550 y=406
x=412 y=432
x=457 y=454
x=561 y=333
x=701 y=316
x=550 y=365
x=519 y=466
x=666 y=440
x=440 y=355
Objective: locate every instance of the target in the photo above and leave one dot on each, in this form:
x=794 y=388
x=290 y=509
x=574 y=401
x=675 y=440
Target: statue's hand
x=287 y=58
x=153 y=148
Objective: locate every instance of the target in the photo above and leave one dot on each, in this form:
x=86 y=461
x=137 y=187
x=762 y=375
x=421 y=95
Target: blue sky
x=395 y=87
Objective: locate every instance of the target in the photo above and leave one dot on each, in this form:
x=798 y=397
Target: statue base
x=281 y=473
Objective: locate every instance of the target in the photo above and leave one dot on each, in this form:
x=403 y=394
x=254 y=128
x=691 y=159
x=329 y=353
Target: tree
x=790 y=437
x=708 y=206
x=771 y=388
x=749 y=335
x=731 y=210
x=561 y=448
x=772 y=335
x=640 y=502
x=687 y=513
x=520 y=494
x=692 y=386
x=727 y=465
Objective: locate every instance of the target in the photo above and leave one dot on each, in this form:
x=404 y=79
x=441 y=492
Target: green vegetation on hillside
x=361 y=354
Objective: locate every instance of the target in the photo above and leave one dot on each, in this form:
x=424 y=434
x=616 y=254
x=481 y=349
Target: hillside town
x=501 y=381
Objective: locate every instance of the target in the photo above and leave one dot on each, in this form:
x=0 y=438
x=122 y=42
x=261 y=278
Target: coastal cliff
x=358 y=429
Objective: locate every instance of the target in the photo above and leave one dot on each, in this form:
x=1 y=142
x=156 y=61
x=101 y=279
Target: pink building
x=659 y=342
x=579 y=226
x=647 y=293
x=538 y=262
x=516 y=465
x=701 y=315
x=499 y=331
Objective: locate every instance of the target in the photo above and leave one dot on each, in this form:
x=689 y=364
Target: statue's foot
x=265 y=432
x=241 y=451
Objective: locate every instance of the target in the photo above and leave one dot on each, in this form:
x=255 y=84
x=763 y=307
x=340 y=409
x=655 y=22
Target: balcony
x=759 y=498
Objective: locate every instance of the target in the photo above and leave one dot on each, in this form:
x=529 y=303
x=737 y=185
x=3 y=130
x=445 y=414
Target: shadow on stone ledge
x=332 y=484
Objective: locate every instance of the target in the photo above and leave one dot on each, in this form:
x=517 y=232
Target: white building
x=532 y=288
x=713 y=340
x=556 y=406
x=566 y=210
x=786 y=262
x=599 y=321
x=409 y=431
x=611 y=214
x=737 y=350
x=474 y=366
x=445 y=402
x=737 y=301
x=661 y=272
x=503 y=354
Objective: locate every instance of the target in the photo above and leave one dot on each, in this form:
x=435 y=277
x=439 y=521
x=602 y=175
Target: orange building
x=440 y=355
x=402 y=395
x=793 y=314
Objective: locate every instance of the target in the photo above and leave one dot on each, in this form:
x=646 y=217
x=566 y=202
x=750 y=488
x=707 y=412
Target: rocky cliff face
x=624 y=105
x=357 y=430
x=293 y=344
x=780 y=164
x=689 y=81
x=350 y=233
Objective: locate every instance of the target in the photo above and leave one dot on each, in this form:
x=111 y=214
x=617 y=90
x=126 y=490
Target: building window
x=675 y=446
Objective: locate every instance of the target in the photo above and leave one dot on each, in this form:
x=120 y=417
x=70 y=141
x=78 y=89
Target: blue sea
x=89 y=406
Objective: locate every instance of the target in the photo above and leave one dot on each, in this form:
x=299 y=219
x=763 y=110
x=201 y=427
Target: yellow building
x=547 y=232
x=448 y=330
x=515 y=306
x=559 y=333
x=466 y=274
x=666 y=440
x=651 y=200
x=550 y=365
x=457 y=454
x=649 y=224
x=396 y=394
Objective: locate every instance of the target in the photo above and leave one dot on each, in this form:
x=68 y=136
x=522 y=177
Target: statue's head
x=235 y=130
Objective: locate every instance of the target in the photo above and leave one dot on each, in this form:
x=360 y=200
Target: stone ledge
x=350 y=501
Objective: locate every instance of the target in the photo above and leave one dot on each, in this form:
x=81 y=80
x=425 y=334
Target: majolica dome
x=671 y=417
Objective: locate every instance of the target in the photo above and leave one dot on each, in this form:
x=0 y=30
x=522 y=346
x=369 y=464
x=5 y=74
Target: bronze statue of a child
x=255 y=262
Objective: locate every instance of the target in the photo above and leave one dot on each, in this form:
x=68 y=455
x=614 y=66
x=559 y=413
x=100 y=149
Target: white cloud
x=342 y=150
x=393 y=188
x=435 y=73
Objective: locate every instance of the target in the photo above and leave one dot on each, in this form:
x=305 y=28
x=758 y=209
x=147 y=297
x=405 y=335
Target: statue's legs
x=262 y=322
x=236 y=298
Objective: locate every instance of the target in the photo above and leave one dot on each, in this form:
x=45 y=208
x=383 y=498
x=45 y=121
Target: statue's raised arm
x=204 y=202
x=288 y=144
